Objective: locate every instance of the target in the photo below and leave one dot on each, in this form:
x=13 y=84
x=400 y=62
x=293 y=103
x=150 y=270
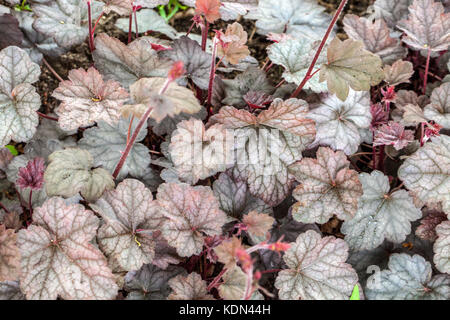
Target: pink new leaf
x=32 y=176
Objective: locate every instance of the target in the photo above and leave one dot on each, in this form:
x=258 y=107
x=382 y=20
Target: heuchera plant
x=176 y=165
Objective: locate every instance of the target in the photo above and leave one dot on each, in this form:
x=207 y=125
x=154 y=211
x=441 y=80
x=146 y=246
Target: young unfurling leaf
x=258 y=224
x=32 y=176
x=394 y=134
x=350 y=65
x=71 y=171
x=86 y=99
x=19 y=100
x=191 y=212
x=131 y=217
x=407 y=278
x=57 y=258
x=209 y=9
x=317 y=270
x=339 y=123
x=381 y=214
x=427 y=172
x=375 y=36
x=232 y=43
x=427 y=26
x=327 y=187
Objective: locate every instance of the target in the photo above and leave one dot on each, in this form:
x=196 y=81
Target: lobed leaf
x=439 y=108
x=441 y=247
x=190 y=287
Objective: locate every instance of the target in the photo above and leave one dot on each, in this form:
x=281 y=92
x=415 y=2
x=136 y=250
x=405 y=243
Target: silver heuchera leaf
x=86 y=99
x=147 y=20
x=196 y=62
x=400 y=72
x=233 y=285
x=381 y=214
x=57 y=259
x=442 y=247
x=265 y=145
x=10 y=290
x=198 y=153
x=65 y=20
x=107 y=142
x=317 y=270
x=70 y=171
x=121 y=7
x=191 y=287
x=295 y=55
x=150 y=282
x=191 y=212
x=235 y=198
x=128 y=63
x=338 y=123
x=375 y=36
x=327 y=187
x=439 y=108
x=19 y=100
x=391 y=11
x=253 y=79
x=131 y=216
x=407 y=278
x=298 y=18
x=427 y=26
x=427 y=172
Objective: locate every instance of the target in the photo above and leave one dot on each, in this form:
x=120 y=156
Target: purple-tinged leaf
x=400 y=72
x=427 y=228
x=11 y=34
x=394 y=134
x=32 y=176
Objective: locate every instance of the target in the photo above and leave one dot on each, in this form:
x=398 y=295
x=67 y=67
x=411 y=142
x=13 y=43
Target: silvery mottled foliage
x=339 y=122
x=316 y=270
x=391 y=11
x=197 y=63
x=66 y=21
x=121 y=7
x=375 y=36
x=71 y=171
x=107 y=142
x=381 y=214
x=190 y=287
x=235 y=198
x=150 y=282
x=19 y=100
x=191 y=212
x=442 y=247
x=198 y=153
x=148 y=20
x=298 y=18
x=407 y=278
x=427 y=172
x=265 y=145
x=253 y=79
x=295 y=55
x=439 y=108
x=327 y=187
x=127 y=63
x=427 y=26
x=131 y=216
x=57 y=259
